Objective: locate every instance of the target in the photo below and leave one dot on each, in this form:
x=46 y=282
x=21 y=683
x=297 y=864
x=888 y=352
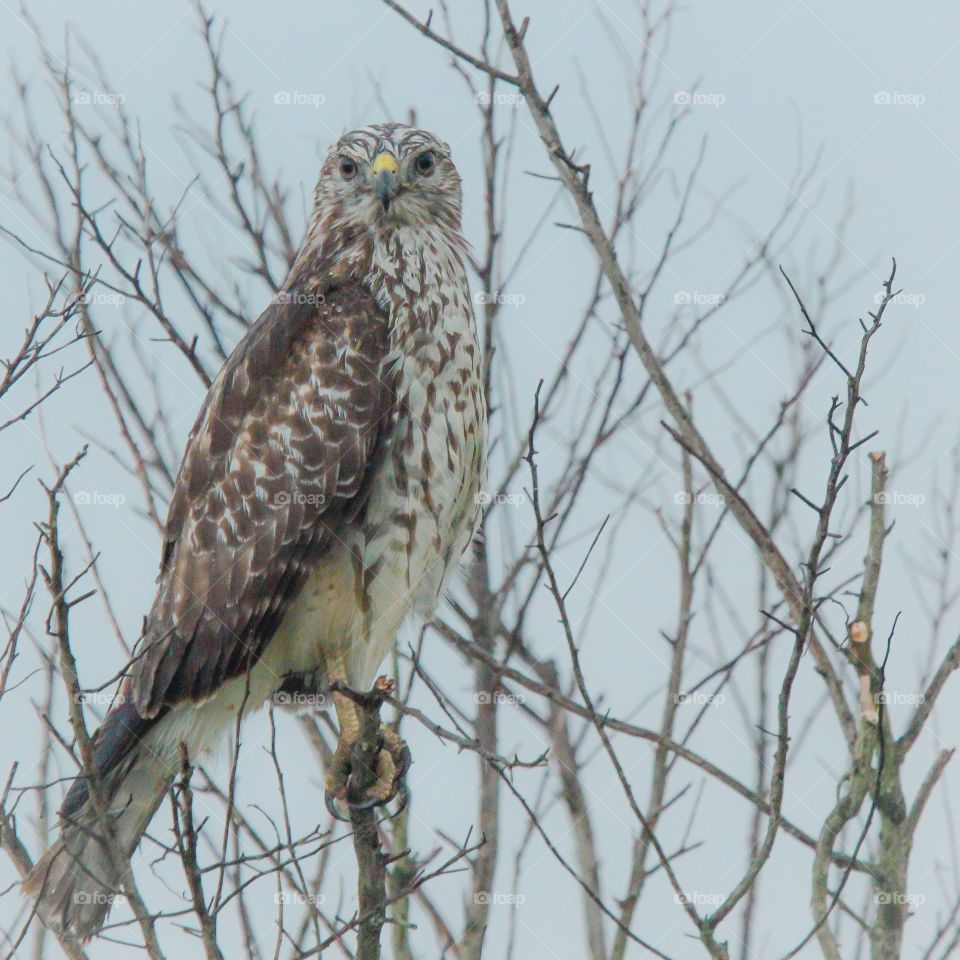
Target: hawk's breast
x=422 y=505
x=424 y=499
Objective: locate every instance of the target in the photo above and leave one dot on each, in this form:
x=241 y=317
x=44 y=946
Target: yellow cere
x=385 y=161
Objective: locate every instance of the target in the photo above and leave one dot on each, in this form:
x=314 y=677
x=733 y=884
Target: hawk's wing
x=276 y=464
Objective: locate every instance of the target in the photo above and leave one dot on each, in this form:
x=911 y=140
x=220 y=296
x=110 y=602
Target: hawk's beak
x=385 y=169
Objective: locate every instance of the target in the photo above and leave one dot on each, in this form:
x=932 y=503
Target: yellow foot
x=389 y=763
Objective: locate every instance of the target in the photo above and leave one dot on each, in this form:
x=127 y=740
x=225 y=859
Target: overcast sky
x=871 y=88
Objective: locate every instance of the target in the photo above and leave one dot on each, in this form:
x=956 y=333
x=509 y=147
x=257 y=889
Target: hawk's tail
x=78 y=879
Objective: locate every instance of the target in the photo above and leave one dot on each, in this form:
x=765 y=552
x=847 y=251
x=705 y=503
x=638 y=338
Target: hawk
x=329 y=487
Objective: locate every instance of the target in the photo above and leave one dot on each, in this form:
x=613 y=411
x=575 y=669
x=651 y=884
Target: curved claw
x=367 y=804
x=331 y=803
x=403 y=792
x=401 y=789
x=406 y=761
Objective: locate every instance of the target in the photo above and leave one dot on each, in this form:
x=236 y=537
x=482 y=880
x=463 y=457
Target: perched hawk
x=328 y=488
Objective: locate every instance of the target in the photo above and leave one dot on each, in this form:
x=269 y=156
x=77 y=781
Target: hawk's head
x=388 y=174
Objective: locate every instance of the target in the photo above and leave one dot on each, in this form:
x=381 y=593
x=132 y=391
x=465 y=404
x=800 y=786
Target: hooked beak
x=385 y=169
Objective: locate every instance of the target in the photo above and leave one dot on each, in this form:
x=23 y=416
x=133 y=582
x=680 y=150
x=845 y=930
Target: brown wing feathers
x=275 y=464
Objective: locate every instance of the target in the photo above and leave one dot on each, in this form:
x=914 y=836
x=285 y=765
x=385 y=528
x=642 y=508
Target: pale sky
x=873 y=88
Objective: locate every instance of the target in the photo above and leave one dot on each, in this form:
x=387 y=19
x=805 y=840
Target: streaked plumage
x=328 y=488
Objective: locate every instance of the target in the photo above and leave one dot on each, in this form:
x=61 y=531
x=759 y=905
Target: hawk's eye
x=426 y=163
x=348 y=169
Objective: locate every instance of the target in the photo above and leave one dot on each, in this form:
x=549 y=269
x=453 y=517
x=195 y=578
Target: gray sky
x=873 y=87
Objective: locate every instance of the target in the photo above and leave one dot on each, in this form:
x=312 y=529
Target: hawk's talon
x=391 y=762
x=331 y=803
x=402 y=759
x=401 y=788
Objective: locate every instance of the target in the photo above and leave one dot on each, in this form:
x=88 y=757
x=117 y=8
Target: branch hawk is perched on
x=328 y=488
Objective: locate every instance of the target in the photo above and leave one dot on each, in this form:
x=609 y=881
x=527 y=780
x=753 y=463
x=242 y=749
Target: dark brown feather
x=277 y=461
